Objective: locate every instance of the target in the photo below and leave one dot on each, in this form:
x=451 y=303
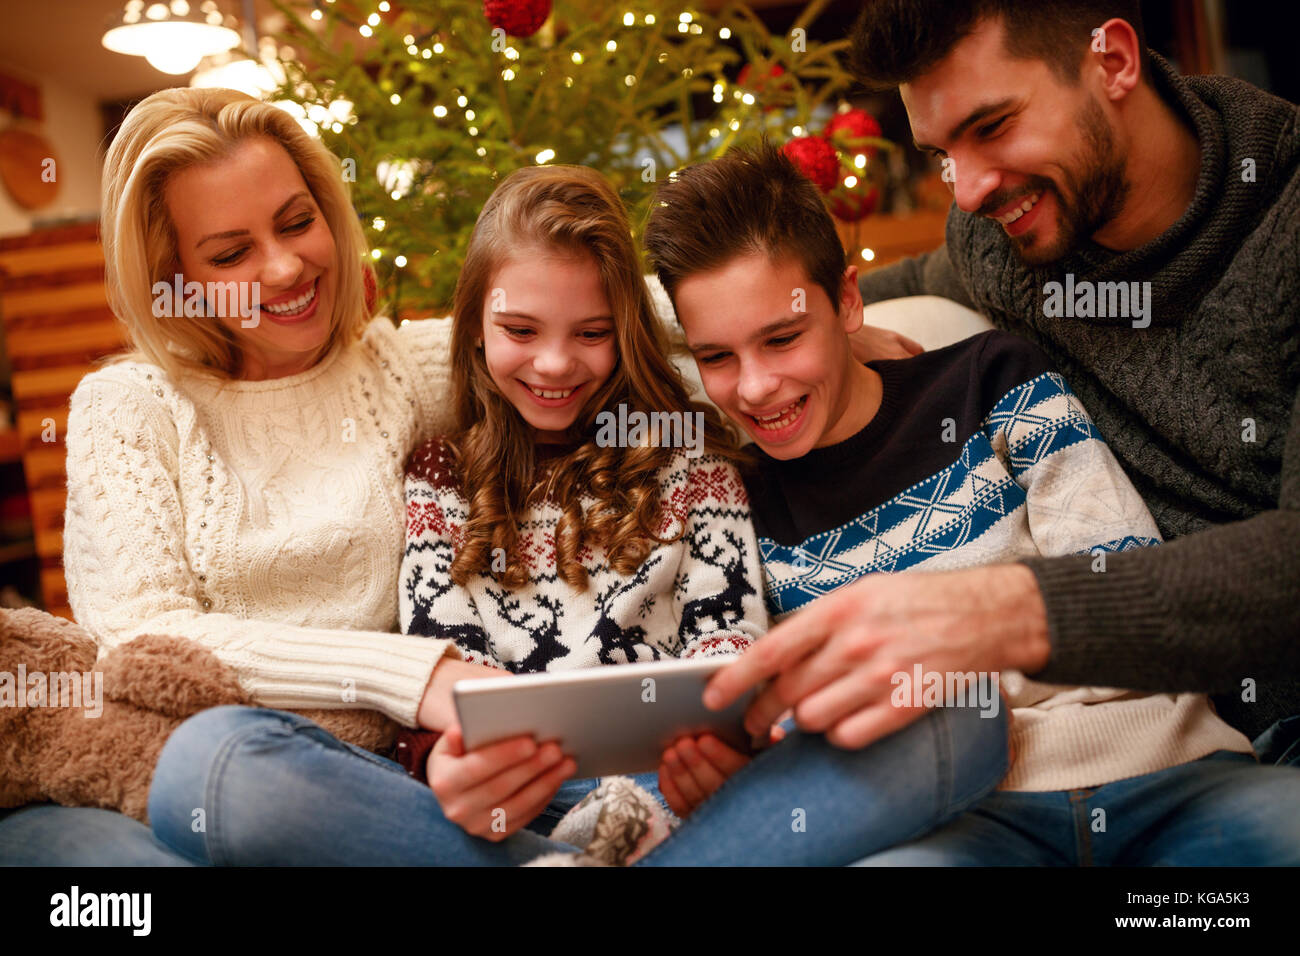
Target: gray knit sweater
x=1217 y=608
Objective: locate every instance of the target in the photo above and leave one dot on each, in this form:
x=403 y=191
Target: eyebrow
x=533 y=318
x=771 y=328
x=232 y=233
x=975 y=115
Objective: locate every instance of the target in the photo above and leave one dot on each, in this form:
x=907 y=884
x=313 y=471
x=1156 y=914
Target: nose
x=973 y=182
x=553 y=360
x=756 y=384
x=280 y=269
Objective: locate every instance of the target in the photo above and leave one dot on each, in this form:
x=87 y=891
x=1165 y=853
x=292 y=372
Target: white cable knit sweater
x=264 y=519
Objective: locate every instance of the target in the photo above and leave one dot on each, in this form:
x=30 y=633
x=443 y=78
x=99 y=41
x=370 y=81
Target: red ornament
x=372 y=288
x=519 y=18
x=850 y=128
x=816 y=159
x=850 y=206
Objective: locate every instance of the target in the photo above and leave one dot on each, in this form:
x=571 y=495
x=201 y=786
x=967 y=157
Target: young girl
x=538 y=540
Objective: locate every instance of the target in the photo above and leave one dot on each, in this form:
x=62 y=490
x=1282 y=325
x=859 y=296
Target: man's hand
x=872 y=342
x=833 y=662
x=495 y=790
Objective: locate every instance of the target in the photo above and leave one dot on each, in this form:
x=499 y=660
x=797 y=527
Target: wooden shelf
x=17 y=551
x=11 y=446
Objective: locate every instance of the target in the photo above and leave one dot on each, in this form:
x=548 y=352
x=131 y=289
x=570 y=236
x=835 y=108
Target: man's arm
x=1202 y=612
x=928 y=274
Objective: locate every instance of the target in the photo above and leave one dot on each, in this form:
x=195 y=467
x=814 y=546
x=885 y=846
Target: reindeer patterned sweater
x=699 y=595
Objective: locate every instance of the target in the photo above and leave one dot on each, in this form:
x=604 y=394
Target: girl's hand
x=692 y=769
x=498 y=789
x=437 y=710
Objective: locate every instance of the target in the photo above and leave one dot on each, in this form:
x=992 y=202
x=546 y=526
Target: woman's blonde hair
x=571 y=209
x=177 y=128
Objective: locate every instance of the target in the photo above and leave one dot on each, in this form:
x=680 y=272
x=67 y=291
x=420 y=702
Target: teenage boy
x=966 y=456
x=1184 y=192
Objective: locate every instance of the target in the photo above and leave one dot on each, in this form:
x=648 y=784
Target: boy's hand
x=692 y=769
x=498 y=789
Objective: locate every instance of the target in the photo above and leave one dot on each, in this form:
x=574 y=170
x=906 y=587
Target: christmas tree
x=430 y=104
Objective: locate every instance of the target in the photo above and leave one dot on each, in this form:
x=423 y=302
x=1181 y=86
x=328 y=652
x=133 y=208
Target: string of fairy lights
x=398 y=177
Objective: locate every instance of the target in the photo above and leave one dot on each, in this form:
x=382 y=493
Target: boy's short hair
x=750 y=200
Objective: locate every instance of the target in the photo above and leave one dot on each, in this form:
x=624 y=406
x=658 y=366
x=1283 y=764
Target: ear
x=850 y=300
x=1115 y=51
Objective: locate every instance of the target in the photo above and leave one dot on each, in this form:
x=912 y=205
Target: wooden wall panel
x=56 y=325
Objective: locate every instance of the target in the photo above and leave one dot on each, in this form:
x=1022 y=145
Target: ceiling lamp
x=237 y=70
x=173 y=36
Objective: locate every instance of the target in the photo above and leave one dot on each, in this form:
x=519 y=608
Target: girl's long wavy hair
x=572 y=210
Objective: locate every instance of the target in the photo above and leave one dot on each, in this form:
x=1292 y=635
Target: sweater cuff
x=391 y=678
x=1103 y=624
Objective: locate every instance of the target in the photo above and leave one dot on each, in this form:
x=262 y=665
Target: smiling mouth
x=552 y=393
x=294 y=306
x=781 y=418
x=1028 y=204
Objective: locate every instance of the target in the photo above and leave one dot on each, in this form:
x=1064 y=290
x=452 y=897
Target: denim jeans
x=249 y=786
x=1221 y=810
x=44 y=834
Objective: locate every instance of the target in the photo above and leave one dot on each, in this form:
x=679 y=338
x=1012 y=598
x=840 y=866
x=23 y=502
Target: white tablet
x=612 y=719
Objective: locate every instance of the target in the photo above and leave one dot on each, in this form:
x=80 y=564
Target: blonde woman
x=237 y=480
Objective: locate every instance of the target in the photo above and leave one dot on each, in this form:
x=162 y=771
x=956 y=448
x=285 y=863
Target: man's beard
x=1096 y=187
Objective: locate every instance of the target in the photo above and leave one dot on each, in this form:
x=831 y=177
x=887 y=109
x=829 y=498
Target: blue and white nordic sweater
x=980 y=454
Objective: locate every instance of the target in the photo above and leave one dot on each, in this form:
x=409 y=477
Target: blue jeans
x=43 y=834
x=248 y=786
x=1221 y=810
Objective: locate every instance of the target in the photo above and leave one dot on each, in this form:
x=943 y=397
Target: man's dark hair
x=895 y=41
x=750 y=200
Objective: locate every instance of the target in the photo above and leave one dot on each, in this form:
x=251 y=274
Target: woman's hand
x=693 y=768
x=437 y=709
x=498 y=789
x=871 y=342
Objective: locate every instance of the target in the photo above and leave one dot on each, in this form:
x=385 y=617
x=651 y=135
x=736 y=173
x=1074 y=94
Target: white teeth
x=297 y=305
x=780 y=419
x=547 y=393
x=1020 y=210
